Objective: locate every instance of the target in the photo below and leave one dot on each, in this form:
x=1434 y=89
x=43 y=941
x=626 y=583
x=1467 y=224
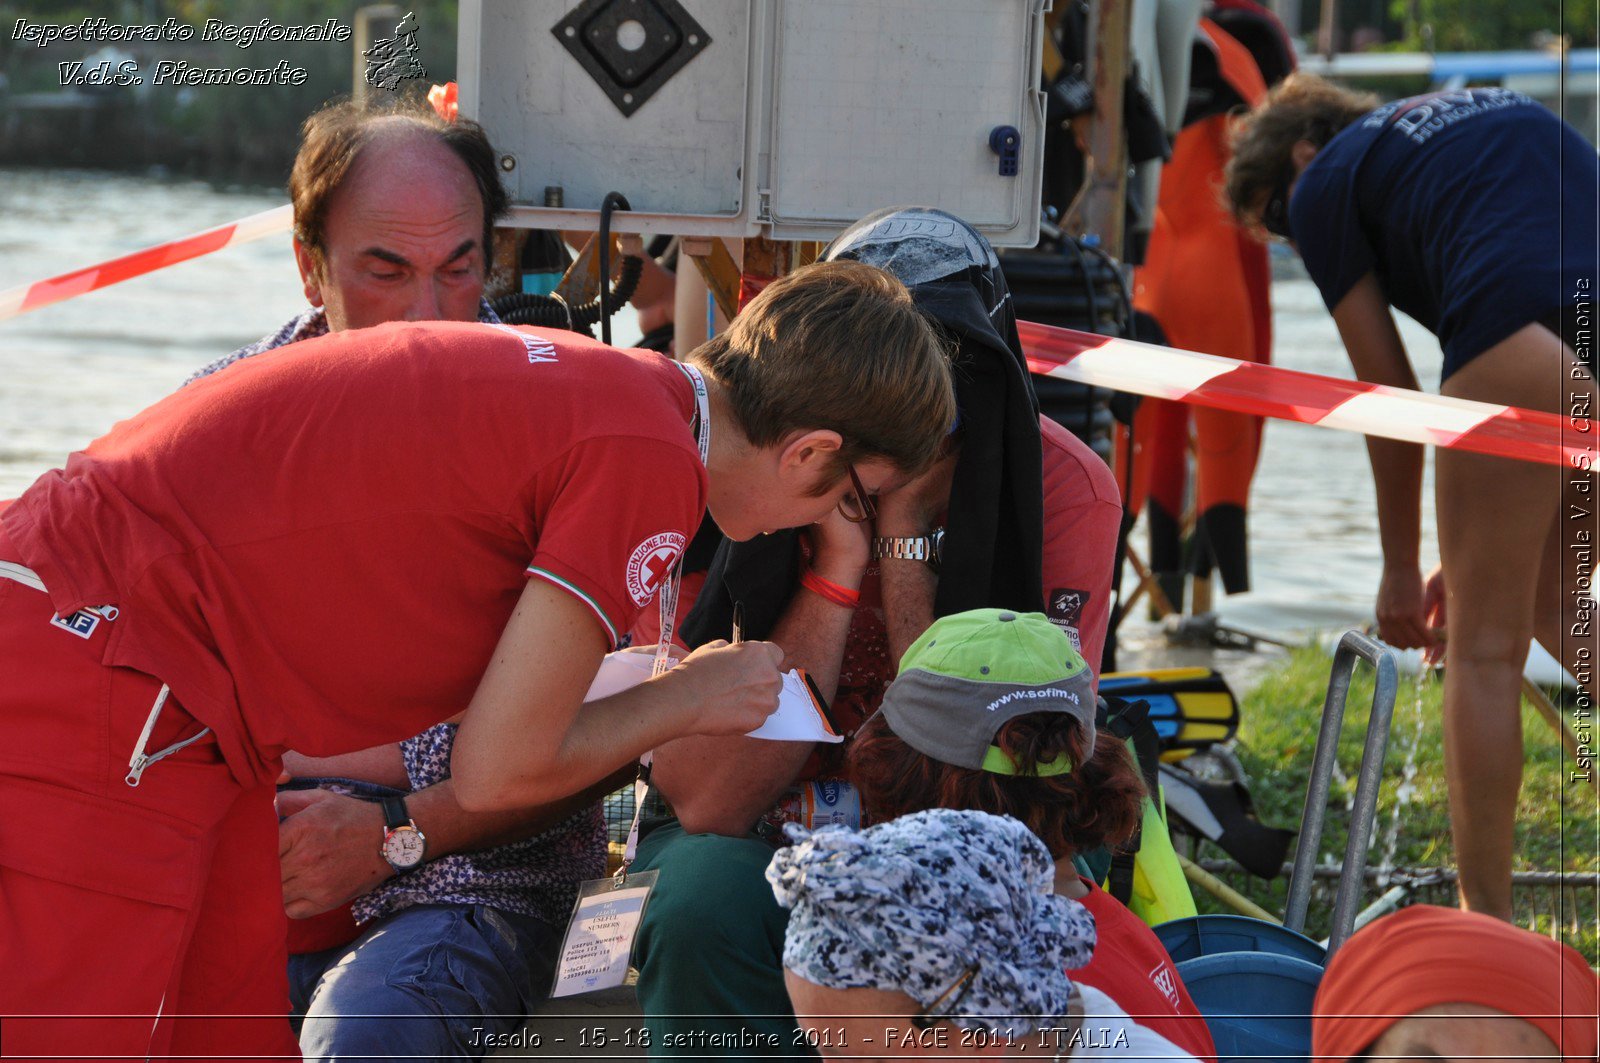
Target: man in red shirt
x=393 y=206
x=330 y=547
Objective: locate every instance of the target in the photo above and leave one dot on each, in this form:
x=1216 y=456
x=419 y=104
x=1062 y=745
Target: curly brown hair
x=1098 y=803
x=1301 y=107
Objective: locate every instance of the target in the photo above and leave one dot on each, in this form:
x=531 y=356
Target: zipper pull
x=139 y=761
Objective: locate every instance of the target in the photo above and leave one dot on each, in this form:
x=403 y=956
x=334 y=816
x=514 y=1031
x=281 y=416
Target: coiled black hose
x=552 y=311
x=612 y=201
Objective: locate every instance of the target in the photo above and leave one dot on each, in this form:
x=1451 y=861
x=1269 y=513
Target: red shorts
x=125 y=909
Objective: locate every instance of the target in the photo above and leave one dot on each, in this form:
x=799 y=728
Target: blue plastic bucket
x=1256 y=1004
x=1210 y=935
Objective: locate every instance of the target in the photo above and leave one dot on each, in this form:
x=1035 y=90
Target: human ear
x=805 y=449
x=309 y=273
x=1302 y=153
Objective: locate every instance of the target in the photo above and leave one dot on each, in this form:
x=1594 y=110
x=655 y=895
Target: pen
x=738 y=622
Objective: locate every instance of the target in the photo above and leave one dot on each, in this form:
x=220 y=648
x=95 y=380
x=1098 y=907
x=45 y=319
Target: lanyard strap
x=641 y=789
x=667 y=600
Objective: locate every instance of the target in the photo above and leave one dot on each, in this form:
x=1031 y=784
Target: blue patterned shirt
x=306 y=326
x=538 y=876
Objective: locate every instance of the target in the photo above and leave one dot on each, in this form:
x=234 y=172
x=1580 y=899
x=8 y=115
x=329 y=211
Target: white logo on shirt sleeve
x=539 y=349
x=1162 y=978
x=650 y=564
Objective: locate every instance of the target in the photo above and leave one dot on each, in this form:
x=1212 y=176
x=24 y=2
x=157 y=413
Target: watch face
x=403 y=847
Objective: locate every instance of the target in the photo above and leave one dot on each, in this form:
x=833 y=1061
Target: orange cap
x=1424 y=955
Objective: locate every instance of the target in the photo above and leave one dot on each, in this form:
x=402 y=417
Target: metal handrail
x=1353 y=646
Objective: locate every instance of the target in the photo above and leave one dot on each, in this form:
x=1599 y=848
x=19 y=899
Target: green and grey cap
x=971 y=673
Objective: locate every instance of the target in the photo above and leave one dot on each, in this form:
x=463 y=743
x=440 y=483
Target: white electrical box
x=736 y=118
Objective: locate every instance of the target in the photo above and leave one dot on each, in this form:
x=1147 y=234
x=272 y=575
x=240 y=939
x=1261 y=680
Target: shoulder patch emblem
x=1065 y=610
x=650 y=564
x=1066 y=606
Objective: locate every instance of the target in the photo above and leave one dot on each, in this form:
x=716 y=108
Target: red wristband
x=830 y=590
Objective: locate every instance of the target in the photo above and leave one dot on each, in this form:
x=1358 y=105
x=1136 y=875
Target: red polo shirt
x=318 y=548
x=1082 y=514
x=1131 y=967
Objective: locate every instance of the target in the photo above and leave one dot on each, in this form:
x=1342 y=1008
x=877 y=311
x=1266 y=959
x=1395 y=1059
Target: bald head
x=393 y=215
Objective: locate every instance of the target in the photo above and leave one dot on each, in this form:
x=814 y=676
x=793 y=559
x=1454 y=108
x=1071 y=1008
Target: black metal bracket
x=631 y=47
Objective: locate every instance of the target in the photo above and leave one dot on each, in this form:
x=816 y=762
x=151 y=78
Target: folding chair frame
x=1353 y=646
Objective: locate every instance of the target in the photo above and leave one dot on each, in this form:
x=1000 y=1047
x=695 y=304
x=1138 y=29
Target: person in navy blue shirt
x=1472 y=211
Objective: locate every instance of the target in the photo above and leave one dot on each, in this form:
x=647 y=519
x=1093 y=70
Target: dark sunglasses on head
x=856 y=506
x=1275 y=215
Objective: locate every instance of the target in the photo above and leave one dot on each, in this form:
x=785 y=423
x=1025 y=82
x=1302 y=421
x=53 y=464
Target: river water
x=69 y=371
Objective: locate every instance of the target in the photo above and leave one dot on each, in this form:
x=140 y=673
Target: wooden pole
x=1327 y=30
x=1105 y=206
x=1224 y=892
x=1161 y=604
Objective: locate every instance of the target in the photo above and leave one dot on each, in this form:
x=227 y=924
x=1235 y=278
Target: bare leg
x=1495 y=520
x=1565 y=620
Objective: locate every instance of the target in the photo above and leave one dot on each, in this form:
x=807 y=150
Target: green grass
x=1557 y=828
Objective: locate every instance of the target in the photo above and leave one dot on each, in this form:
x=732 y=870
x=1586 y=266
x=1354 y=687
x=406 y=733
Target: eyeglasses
x=856 y=507
x=945 y=1003
x=1275 y=215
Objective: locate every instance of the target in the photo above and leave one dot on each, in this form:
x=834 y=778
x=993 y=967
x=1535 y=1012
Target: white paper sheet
x=796 y=718
x=621 y=671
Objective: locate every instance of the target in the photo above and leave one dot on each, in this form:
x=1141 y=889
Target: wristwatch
x=404 y=846
x=929 y=548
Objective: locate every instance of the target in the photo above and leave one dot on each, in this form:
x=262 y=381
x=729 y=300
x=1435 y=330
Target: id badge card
x=599 y=942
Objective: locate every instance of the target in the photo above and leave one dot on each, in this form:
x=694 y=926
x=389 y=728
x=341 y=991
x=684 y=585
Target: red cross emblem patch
x=650 y=564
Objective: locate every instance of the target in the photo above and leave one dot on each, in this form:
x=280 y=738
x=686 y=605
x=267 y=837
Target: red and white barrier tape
x=1290 y=395
x=1102 y=361
x=16 y=301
